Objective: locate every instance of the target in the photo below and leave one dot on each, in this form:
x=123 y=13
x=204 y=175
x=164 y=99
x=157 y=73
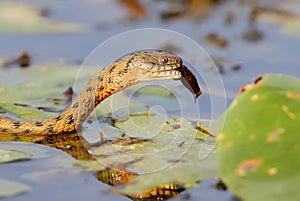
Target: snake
x=133 y=68
x=59 y=132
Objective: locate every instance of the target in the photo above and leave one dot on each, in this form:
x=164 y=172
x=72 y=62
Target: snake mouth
x=167 y=72
x=181 y=73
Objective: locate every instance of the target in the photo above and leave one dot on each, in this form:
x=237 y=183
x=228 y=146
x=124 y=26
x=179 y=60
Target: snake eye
x=164 y=60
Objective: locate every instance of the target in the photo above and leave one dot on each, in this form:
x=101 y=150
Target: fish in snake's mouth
x=189 y=80
x=179 y=72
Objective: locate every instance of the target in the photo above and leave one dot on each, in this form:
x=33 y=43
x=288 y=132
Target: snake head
x=158 y=64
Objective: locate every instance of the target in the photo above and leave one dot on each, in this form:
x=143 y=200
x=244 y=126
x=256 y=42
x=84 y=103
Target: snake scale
x=139 y=66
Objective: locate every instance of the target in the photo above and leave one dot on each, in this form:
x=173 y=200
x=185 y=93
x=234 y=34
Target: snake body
x=131 y=69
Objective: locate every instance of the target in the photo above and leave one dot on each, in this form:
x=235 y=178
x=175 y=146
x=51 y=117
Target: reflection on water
x=77 y=147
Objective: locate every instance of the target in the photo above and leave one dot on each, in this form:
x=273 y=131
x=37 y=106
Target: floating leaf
x=27 y=112
x=258 y=150
x=20 y=151
x=157 y=95
x=170 y=155
x=11 y=188
x=156 y=125
x=8 y=155
x=155 y=90
x=23 y=85
x=90 y=166
x=37 y=87
x=188 y=169
x=22 y=18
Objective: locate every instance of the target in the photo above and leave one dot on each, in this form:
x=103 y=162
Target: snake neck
x=107 y=82
x=102 y=85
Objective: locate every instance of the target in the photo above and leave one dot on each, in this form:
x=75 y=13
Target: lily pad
x=8 y=155
x=187 y=170
x=38 y=87
x=156 y=125
x=157 y=95
x=258 y=150
x=20 y=151
x=155 y=90
x=26 y=112
x=22 y=18
x=24 y=85
x=158 y=159
x=11 y=188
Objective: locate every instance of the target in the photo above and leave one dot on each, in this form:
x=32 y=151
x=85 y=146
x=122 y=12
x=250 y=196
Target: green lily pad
x=258 y=150
x=25 y=85
x=11 y=188
x=22 y=18
x=38 y=87
x=157 y=95
x=26 y=112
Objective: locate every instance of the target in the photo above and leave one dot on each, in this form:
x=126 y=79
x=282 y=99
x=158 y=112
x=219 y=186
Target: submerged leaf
x=11 y=188
x=8 y=155
x=19 y=151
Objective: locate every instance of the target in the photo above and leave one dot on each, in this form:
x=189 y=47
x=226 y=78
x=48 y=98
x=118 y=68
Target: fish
x=189 y=80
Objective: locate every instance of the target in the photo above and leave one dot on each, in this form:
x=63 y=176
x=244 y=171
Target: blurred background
x=244 y=38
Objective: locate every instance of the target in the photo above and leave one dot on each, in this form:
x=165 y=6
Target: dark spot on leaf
x=258 y=79
x=175 y=126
